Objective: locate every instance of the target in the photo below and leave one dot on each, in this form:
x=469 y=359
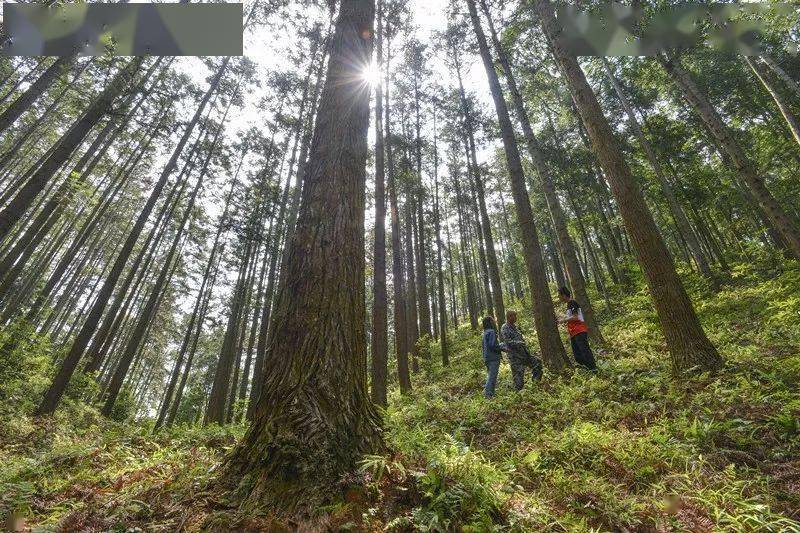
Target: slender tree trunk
x=380 y=335
x=553 y=352
x=56 y=390
x=788 y=116
x=398 y=276
x=37 y=88
x=675 y=208
x=314 y=419
x=686 y=341
x=743 y=166
x=17 y=207
x=472 y=299
x=791 y=83
x=442 y=307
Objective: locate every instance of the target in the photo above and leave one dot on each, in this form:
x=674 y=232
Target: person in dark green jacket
x=491 y=355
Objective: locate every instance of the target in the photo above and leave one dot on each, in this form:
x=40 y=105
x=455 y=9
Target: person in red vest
x=578 y=331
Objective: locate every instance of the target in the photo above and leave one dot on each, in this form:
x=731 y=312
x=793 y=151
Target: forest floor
x=629 y=449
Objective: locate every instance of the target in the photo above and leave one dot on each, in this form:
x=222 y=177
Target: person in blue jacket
x=491 y=355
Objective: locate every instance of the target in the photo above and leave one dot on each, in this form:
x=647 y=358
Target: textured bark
x=743 y=166
x=380 y=328
x=16 y=208
x=675 y=207
x=553 y=352
x=686 y=341
x=314 y=419
x=37 y=88
x=71 y=360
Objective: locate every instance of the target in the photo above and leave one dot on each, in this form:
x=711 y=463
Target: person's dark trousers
x=492 y=368
x=582 y=352
x=518 y=362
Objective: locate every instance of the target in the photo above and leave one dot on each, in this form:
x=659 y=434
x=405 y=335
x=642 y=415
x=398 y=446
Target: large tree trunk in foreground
x=743 y=166
x=314 y=419
x=553 y=352
x=686 y=340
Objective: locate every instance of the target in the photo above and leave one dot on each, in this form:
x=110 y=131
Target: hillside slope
x=631 y=448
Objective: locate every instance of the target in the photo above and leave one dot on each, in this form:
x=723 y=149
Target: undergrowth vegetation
x=630 y=448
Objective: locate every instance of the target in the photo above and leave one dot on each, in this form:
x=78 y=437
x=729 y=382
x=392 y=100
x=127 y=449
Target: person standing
x=519 y=356
x=491 y=355
x=578 y=331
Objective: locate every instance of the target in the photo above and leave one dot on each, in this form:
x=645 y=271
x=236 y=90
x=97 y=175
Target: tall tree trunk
x=472 y=299
x=791 y=83
x=788 y=116
x=314 y=419
x=675 y=207
x=380 y=335
x=37 y=88
x=565 y=242
x=16 y=208
x=442 y=307
x=743 y=166
x=686 y=341
x=71 y=360
x=553 y=352
x=419 y=194
x=398 y=275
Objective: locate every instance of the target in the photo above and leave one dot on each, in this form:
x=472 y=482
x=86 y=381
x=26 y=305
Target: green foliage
x=631 y=448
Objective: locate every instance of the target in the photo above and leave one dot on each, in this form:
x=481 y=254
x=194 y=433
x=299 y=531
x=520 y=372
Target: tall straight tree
x=544 y=318
x=380 y=345
x=486 y=225
x=314 y=419
x=743 y=166
x=565 y=242
x=398 y=278
x=783 y=107
x=678 y=214
x=687 y=342
x=68 y=143
x=439 y=245
x=71 y=360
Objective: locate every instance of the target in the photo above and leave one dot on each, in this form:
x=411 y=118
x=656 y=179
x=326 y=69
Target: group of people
x=519 y=356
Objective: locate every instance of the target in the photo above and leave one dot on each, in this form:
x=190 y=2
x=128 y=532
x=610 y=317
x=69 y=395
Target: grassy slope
x=629 y=449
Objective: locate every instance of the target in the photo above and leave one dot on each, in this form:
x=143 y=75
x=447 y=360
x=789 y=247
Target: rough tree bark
x=380 y=346
x=314 y=419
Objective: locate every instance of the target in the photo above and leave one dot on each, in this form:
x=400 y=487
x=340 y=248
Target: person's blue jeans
x=493 y=367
